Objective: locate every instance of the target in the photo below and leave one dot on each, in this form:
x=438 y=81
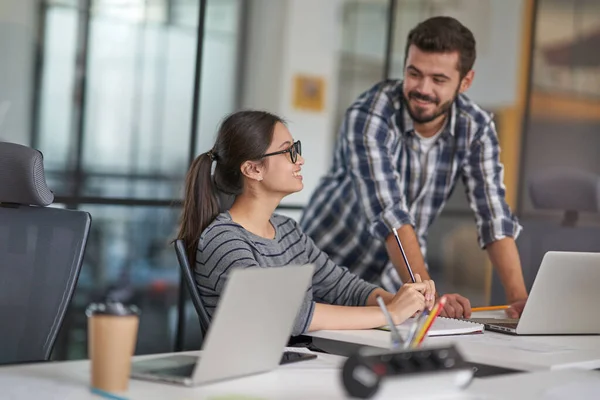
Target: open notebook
x=442 y=327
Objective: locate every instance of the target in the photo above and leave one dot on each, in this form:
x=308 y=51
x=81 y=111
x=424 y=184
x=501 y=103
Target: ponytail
x=243 y=135
x=200 y=204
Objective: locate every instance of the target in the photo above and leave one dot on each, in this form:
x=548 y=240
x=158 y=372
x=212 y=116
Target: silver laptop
x=562 y=299
x=248 y=333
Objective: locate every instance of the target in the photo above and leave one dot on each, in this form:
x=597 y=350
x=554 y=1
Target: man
x=402 y=147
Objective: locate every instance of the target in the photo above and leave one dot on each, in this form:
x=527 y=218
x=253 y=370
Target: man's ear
x=252 y=170
x=466 y=82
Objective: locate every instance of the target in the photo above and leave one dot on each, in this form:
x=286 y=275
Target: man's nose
x=425 y=86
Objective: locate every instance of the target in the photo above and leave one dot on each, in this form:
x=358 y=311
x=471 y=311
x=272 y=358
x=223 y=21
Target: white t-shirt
x=426 y=143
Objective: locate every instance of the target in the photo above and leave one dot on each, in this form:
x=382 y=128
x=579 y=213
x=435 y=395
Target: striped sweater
x=225 y=245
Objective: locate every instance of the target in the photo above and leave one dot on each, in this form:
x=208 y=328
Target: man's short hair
x=444 y=35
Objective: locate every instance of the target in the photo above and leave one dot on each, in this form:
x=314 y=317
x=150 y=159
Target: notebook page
x=442 y=327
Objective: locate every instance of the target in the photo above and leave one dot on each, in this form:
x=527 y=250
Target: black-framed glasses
x=294 y=150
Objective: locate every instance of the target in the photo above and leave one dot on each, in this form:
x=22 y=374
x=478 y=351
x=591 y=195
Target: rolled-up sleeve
x=483 y=175
x=334 y=284
x=366 y=147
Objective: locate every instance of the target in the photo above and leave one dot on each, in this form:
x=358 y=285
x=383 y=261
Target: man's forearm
x=410 y=244
x=504 y=256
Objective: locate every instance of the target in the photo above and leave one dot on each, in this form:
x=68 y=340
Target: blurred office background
x=120 y=95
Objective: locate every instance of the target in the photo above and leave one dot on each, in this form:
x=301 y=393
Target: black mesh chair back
x=188 y=277
x=567 y=193
x=41 y=253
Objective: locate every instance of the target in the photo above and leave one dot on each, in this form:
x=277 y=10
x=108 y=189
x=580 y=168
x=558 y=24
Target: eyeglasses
x=294 y=150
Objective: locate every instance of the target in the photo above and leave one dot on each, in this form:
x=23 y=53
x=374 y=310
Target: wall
x=17 y=46
x=264 y=42
x=497 y=64
x=285 y=39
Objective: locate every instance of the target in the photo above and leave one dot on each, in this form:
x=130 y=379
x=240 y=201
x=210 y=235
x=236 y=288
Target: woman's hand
x=429 y=291
x=409 y=300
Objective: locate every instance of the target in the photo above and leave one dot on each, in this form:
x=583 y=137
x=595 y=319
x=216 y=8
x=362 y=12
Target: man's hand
x=456 y=306
x=516 y=309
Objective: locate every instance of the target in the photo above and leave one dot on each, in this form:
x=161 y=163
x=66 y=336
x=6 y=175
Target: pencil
x=490 y=308
x=419 y=323
x=410 y=272
x=432 y=316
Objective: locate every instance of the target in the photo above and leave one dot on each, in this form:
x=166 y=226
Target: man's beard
x=440 y=110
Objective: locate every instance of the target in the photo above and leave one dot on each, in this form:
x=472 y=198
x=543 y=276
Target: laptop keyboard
x=182 y=371
x=510 y=325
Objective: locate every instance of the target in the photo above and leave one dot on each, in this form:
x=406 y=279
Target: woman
x=256 y=160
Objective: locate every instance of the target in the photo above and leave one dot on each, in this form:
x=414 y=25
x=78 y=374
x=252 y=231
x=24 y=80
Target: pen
x=414 y=327
x=412 y=276
x=396 y=338
x=490 y=308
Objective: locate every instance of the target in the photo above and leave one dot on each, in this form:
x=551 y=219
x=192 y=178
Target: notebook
x=442 y=326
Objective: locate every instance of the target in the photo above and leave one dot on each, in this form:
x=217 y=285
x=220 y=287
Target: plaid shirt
x=378 y=182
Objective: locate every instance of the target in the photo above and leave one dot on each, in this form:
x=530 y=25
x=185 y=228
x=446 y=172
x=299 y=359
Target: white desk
x=541 y=385
x=70 y=380
x=314 y=379
x=528 y=353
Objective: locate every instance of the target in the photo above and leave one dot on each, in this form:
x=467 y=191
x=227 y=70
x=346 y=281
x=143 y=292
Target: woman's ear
x=252 y=170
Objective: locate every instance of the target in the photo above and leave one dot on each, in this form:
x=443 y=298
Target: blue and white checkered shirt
x=378 y=182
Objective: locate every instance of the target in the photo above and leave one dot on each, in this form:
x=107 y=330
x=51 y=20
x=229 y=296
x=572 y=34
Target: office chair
x=41 y=253
x=187 y=280
x=567 y=192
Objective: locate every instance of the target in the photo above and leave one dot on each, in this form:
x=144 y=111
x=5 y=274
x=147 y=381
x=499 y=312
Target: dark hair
x=442 y=35
x=242 y=136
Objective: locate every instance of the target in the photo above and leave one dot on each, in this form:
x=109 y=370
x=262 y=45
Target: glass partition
x=116 y=93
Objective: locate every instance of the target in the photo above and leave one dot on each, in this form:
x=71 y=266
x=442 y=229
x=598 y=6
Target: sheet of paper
x=441 y=327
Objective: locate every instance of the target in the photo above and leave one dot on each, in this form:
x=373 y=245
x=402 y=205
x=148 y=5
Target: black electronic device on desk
x=417 y=371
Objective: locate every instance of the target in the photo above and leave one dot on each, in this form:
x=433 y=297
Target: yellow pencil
x=490 y=308
x=429 y=321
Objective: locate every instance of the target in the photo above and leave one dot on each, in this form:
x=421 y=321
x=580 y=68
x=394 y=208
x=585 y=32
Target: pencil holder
x=418 y=370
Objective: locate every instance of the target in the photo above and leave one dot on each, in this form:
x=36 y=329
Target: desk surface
x=314 y=379
x=522 y=352
x=70 y=380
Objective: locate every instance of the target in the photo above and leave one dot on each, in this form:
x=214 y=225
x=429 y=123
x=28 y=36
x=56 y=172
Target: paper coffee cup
x=112 y=334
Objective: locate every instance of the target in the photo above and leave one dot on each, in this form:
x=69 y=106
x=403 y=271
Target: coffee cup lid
x=111 y=308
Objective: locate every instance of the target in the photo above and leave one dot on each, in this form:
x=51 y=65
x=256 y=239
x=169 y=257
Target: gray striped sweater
x=225 y=245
